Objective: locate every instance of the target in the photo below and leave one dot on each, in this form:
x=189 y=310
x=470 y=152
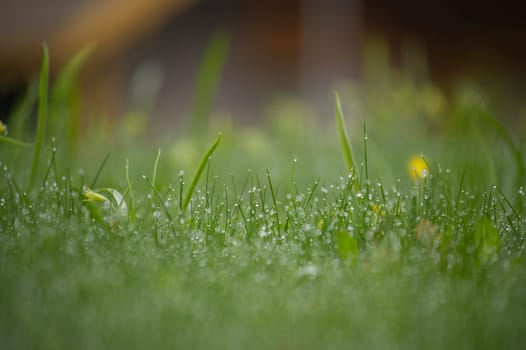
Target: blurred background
x=148 y=53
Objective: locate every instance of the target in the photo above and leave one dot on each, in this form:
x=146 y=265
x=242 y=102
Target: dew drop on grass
x=309 y=271
x=263 y=232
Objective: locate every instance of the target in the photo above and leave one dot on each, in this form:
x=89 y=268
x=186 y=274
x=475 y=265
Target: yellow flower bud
x=418 y=168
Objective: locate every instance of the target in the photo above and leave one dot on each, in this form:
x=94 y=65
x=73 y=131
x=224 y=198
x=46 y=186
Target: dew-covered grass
x=299 y=234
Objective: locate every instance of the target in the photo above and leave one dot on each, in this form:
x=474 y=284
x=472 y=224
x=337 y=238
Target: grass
x=42 y=114
x=312 y=248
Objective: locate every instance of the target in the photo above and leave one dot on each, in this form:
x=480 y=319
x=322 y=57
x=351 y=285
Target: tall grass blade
x=276 y=215
x=508 y=139
x=42 y=113
x=99 y=170
x=344 y=136
x=366 y=164
x=161 y=203
x=208 y=79
x=155 y=165
x=131 y=213
x=199 y=171
x=64 y=98
x=20 y=116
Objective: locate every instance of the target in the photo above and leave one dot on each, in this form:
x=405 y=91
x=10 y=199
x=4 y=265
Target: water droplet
x=309 y=271
x=263 y=232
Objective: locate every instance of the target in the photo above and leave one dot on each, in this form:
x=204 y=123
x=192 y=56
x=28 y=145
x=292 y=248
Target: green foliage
x=347 y=245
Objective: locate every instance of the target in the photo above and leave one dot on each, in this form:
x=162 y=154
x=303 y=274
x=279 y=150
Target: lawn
x=300 y=233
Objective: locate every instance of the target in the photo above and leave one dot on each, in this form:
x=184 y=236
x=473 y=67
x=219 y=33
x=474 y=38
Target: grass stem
x=199 y=171
x=42 y=113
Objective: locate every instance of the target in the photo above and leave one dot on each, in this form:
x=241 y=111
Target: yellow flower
x=92 y=196
x=418 y=168
x=3 y=127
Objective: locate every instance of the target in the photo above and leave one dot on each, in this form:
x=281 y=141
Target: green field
x=400 y=232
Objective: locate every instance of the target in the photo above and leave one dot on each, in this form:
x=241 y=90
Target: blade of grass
x=131 y=213
x=14 y=142
x=51 y=163
x=99 y=170
x=68 y=209
x=181 y=188
x=208 y=79
x=344 y=137
x=199 y=171
x=508 y=139
x=155 y=165
x=63 y=99
x=276 y=215
x=311 y=193
x=19 y=117
x=227 y=211
x=365 y=153
x=42 y=113
x=161 y=203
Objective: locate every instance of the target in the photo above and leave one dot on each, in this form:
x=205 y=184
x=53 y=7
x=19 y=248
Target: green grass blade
x=99 y=170
x=68 y=76
x=199 y=171
x=508 y=139
x=155 y=165
x=161 y=203
x=42 y=113
x=208 y=78
x=131 y=213
x=365 y=153
x=344 y=137
x=63 y=116
x=20 y=116
x=13 y=141
x=276 y=215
